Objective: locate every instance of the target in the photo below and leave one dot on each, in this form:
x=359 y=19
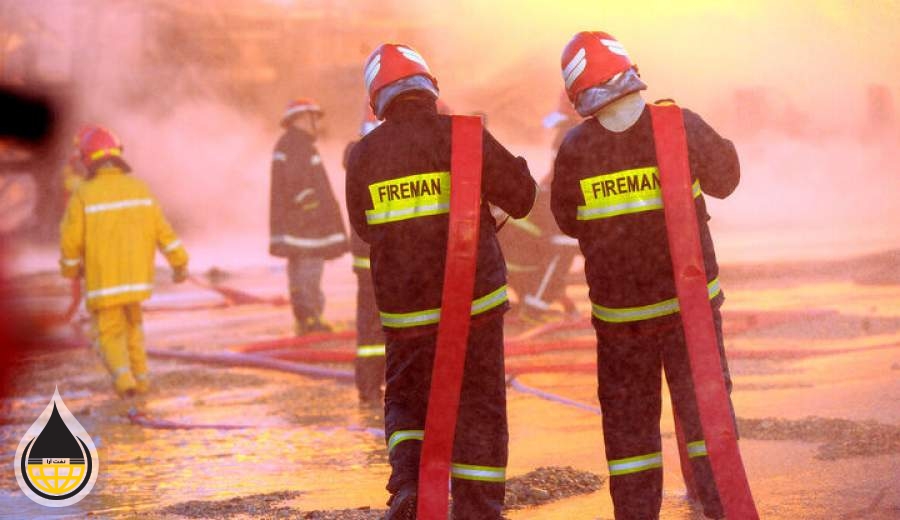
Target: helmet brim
x=390 y=91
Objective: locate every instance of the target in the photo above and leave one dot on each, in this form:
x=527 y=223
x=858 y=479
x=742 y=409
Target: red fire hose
x=453 y=328
x=236 y=297
x=696 y=313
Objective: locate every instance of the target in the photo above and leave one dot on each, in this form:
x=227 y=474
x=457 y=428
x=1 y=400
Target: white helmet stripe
x=412 y=55
x=575 y=67
x=372 y=70
x=573 y=62
x=615 y=47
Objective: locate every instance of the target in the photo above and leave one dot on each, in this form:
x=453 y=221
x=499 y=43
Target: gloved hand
x=180 y=274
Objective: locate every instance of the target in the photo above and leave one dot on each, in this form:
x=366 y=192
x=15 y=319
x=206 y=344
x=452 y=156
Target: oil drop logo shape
x=56 y=462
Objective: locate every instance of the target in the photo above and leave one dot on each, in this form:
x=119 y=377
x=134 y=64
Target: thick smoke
x=806 y=90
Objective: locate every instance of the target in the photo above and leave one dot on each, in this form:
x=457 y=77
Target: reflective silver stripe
x=119 y=371
x=362 y=262
x=615 y=209
x=70 y=262
x=370 y=350
x=119 y=289
x=122 y=204
x=481 y=473
x=430 y=316
x=696 y=449
x=489 y=301
x=646 y=312
x=563 y=240
x=279 y=156
x=173 y=245
x=412 y=212
x=303 y=194
x=635 y=464
x=404 y=435
x=410 y=319
x=309 y=243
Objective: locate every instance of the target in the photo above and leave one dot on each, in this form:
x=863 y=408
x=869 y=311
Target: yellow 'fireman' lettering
x=409 y=197
x=620 y=193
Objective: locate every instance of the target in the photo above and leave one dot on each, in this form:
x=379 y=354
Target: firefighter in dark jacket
x=398 y=184
x=369 y=363
x=606 y=193
x=538 y=260
x=304 y=220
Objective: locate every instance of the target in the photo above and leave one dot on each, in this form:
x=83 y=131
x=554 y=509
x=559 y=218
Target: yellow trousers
x=119 y=337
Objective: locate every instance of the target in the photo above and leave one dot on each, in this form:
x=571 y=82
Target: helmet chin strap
x=621 y=114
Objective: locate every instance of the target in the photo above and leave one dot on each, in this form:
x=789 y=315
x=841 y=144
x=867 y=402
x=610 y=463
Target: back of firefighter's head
x=393 y=71
x=99 y=147
x=596 y=70
x=302 y=113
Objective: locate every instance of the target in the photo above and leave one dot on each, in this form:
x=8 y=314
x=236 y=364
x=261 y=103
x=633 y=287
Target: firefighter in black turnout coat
x=398 y=184
x=304 y=220
x=606 y=193
x=369 y=363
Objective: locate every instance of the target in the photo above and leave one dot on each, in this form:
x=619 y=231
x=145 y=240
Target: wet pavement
x=815 y=362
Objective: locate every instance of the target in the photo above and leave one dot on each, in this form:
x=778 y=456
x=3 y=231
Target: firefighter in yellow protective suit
x=109 y=233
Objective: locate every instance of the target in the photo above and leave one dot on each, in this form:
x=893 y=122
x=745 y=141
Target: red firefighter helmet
x=400 y=67
x=82 y=131
x=98 y=144
x=299 y=106
x=590 y=59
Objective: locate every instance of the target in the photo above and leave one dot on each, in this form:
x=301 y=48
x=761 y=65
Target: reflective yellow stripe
x=696 y=449
x=71 y=262
x=431 y=316
x=370 y=350
x=621 y=193
x=362 y=262
x=409 y=197
x=480 y=473
x=526 y=225
x=404 y=435
x=635 y=464
x=646 y=312
x=113 y=152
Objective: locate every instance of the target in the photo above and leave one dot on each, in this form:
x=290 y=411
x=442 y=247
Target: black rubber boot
x=402 y=504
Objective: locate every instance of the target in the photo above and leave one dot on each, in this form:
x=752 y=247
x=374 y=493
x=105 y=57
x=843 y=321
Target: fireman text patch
x=409 y=197
x=620 y=193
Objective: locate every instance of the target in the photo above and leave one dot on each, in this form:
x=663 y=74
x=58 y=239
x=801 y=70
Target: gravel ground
x=548 y=484
x=541 y=486
x=841 y=438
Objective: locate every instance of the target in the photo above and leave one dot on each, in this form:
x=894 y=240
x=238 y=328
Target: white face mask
x=621 y=114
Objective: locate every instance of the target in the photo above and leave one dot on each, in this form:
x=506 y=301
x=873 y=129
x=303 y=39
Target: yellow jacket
x=109 y=232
